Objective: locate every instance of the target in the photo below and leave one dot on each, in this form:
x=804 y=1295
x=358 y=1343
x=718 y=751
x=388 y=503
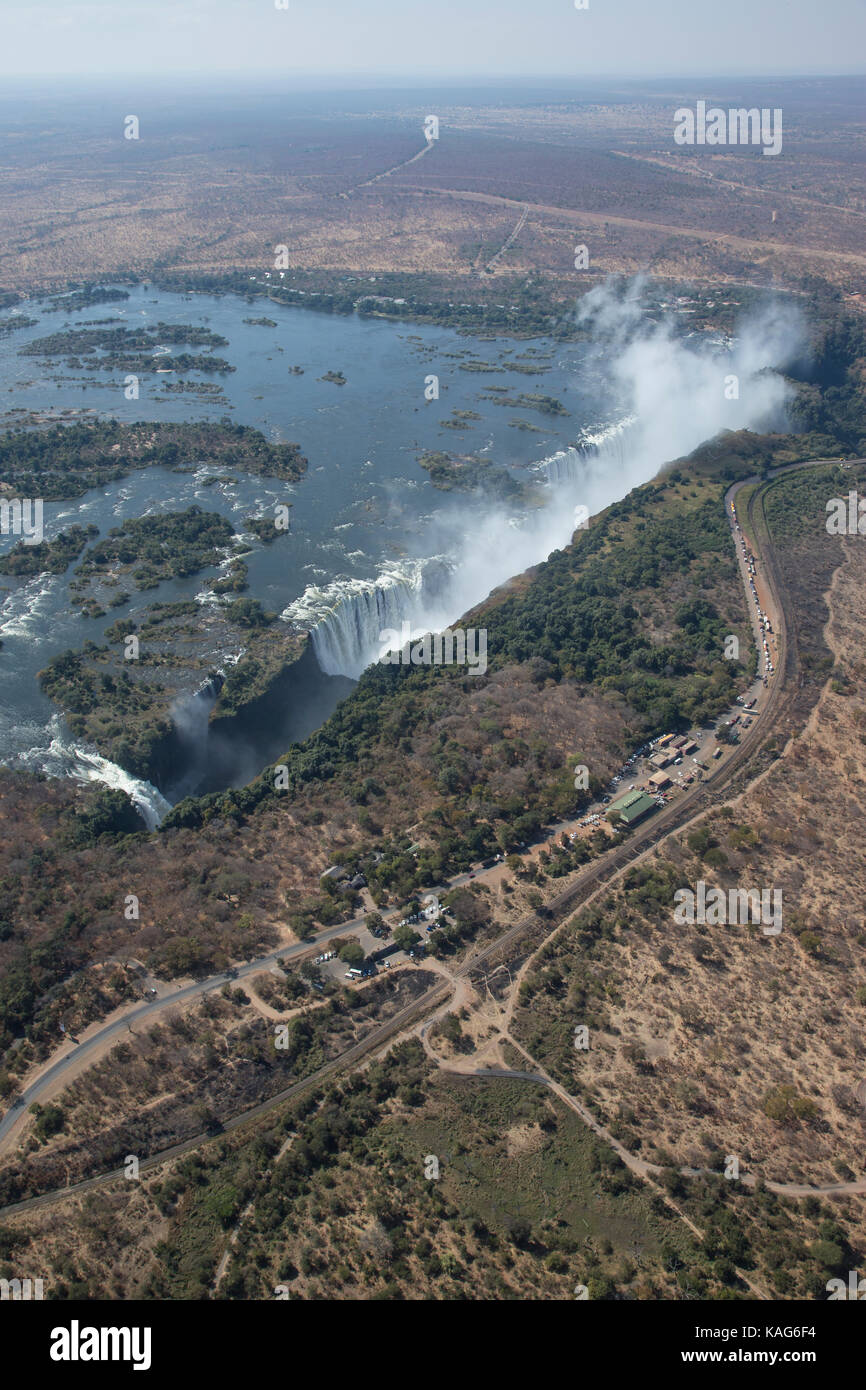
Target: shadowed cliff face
x=229 y=751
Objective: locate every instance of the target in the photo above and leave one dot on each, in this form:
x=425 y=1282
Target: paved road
x=377 y=1038
x=150 y=1009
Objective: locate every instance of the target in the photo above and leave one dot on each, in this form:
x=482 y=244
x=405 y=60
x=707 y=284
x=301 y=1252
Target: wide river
x=365 y=509
x=371 y=539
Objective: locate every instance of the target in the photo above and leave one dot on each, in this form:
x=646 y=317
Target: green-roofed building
x=632 y=807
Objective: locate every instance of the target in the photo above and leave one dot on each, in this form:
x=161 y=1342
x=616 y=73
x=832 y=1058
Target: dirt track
x=748 y=247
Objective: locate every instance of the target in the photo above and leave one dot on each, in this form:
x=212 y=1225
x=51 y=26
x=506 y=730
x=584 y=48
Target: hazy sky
x=629 y=37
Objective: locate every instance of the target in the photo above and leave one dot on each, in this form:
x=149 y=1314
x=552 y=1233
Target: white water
x=25 y=609
x=347 y=616
x=63 y=758
x=569 y=465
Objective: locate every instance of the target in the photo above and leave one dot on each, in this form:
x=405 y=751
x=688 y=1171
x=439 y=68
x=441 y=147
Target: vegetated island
x=112 y=348
x=85 y=298
x=534 y=308
x=471 y=473
x=266 y=528
x=460 y=420
x=210 y=391
x=12 y=325
x=64 y=461
x=124 y=706
x=147 y=550
x=547 y=405
x=48 y=557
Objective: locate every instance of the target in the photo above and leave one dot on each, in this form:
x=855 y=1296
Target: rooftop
x=633 y=806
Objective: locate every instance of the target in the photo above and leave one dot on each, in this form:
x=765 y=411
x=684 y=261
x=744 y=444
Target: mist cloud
x=672 y=394
x=675 y=390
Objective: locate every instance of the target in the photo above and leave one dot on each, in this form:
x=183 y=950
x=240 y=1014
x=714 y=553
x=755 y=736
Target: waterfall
x=607 y=445
x=347 y=616
x=63 y=758
x=190 y=713
x=568 y=465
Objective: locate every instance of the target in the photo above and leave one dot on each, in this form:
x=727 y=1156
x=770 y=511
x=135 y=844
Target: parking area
x=381 y=951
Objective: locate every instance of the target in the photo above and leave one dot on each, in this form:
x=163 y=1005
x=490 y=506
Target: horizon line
x=398 y=75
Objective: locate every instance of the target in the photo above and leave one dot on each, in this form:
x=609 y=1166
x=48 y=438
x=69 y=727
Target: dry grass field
x=710 y=1041
x=207 y=189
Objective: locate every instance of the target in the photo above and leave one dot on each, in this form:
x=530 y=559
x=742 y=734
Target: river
x=372 y=541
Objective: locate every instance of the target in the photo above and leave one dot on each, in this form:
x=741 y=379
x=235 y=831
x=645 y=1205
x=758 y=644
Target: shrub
x=785 y=1106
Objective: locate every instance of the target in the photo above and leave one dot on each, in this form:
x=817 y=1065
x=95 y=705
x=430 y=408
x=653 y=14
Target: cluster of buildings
x=661 y=754
x=669 y=749
x=339 y=874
